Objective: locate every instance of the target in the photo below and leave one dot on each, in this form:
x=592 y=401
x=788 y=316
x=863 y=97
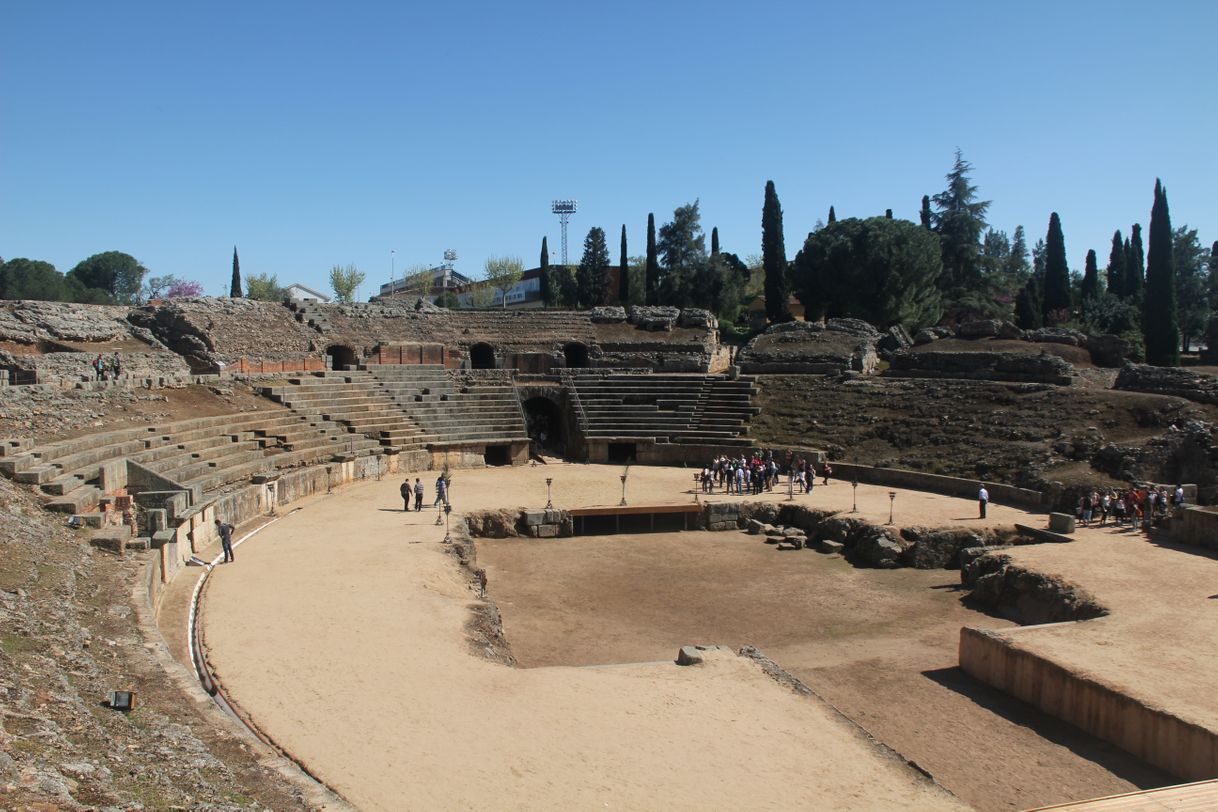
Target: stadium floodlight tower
x=564 y=209
x=450 y=256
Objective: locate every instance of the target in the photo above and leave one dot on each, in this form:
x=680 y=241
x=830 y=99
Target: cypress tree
x=1091 y=277
x=832 y=215
x=623 y=273
x=545 y=281
x=926 y=212
x=1212 y=280
x=1057 y=271
x=652 y=271
x=234 y=289
x=1116 y=266
x=774 y=256
x=715 y=241
x=1027 y=305
x=1135 y=264
x=888 y=213
x=1160 y=327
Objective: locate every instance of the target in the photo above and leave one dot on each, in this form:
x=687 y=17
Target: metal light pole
x=892 y=498
x=549 y=502
x=854 y=483
x=697 y=480
x=447 y=510
x=623 y=490
x=392 y=272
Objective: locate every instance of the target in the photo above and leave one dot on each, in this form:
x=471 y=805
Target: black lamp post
x=448 y=509
x=854 y=483
x=892 y=498
x=549 y=503
x=623 y=490
x=697 y=482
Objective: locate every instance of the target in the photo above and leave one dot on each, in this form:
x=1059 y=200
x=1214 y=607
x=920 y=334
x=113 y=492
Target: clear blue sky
x=310 y=134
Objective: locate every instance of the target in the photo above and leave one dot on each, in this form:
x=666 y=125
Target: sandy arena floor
x=341 y=631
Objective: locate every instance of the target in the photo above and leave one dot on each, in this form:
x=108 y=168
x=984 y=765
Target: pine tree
x=234 y=289
x=1116 y=266
x=832 y=216
x=926 y=211
x=774 y=256
x=1135 y=264
x=545 y=279
x=651 y=273
x=1091 y=277
x=623 y=274
x=1160 y=327
x=715 y=241
x=959 y=218
x=1027 y=305
x=1057 y=272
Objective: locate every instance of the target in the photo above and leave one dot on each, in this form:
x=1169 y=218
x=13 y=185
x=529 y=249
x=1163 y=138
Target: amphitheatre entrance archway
x=341 y=356
x=482 y=356
x=547 y=428
x=576 y=355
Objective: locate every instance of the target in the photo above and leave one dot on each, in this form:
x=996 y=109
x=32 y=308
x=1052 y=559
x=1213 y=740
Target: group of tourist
x=106 y=369
x=760 y=472
x=1133 y=506
x=418 y=490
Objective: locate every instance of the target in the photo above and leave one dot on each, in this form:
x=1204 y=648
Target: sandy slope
x=341 y=631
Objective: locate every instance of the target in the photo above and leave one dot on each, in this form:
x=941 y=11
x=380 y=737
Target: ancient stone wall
x=1181 y=383
x=68 y=368
x=800 y=347
x=29 y=322
x=991 y=366
x=210 y=332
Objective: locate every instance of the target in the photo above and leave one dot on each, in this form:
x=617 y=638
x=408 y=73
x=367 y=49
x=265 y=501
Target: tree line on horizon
x=949 y=267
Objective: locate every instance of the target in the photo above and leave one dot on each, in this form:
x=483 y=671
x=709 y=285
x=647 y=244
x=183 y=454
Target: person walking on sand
x=441 y=491
x=405 y=491
x=983 y=500
x=225 y=531
x=418 y=495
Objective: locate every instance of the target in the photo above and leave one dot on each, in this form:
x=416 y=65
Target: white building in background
x=298 y=293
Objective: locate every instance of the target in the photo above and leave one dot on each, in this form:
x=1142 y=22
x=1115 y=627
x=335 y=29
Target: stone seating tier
x=452 y=406
x=663 y=407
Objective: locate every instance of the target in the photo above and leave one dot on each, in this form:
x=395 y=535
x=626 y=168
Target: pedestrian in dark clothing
x=225 y=531
x=418 y=495
x=405 y=491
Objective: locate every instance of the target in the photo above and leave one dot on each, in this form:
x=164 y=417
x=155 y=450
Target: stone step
x=81 y=500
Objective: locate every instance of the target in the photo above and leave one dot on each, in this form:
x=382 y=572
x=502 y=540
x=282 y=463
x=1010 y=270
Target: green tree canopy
x=879 y=270
x=1160 y=325
x=1191 y=261
x=1091 y=277
x=774 y=256
x=118 y=274
x=502 y=274
x=682 y=249
x=592 y=275
x=651 y=272
x=1116 y=266
x=264 y=287
x=959 y=219
x=234 y=286
x=1056 y=301
x=345 y=281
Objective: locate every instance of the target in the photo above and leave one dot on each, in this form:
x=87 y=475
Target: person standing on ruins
x=225 y=531
x=983 y=499
x=405 y=491
x=418 y=495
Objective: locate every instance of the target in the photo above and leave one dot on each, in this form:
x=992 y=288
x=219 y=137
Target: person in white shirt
x=983 y=499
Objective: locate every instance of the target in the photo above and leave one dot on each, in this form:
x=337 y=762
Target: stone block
x=157 y=519
x=162 y=537
x=755 y=527
x=830 y=547
x=694 y=655
x=532 y=518
x=547 y=531
x=1061 y=523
